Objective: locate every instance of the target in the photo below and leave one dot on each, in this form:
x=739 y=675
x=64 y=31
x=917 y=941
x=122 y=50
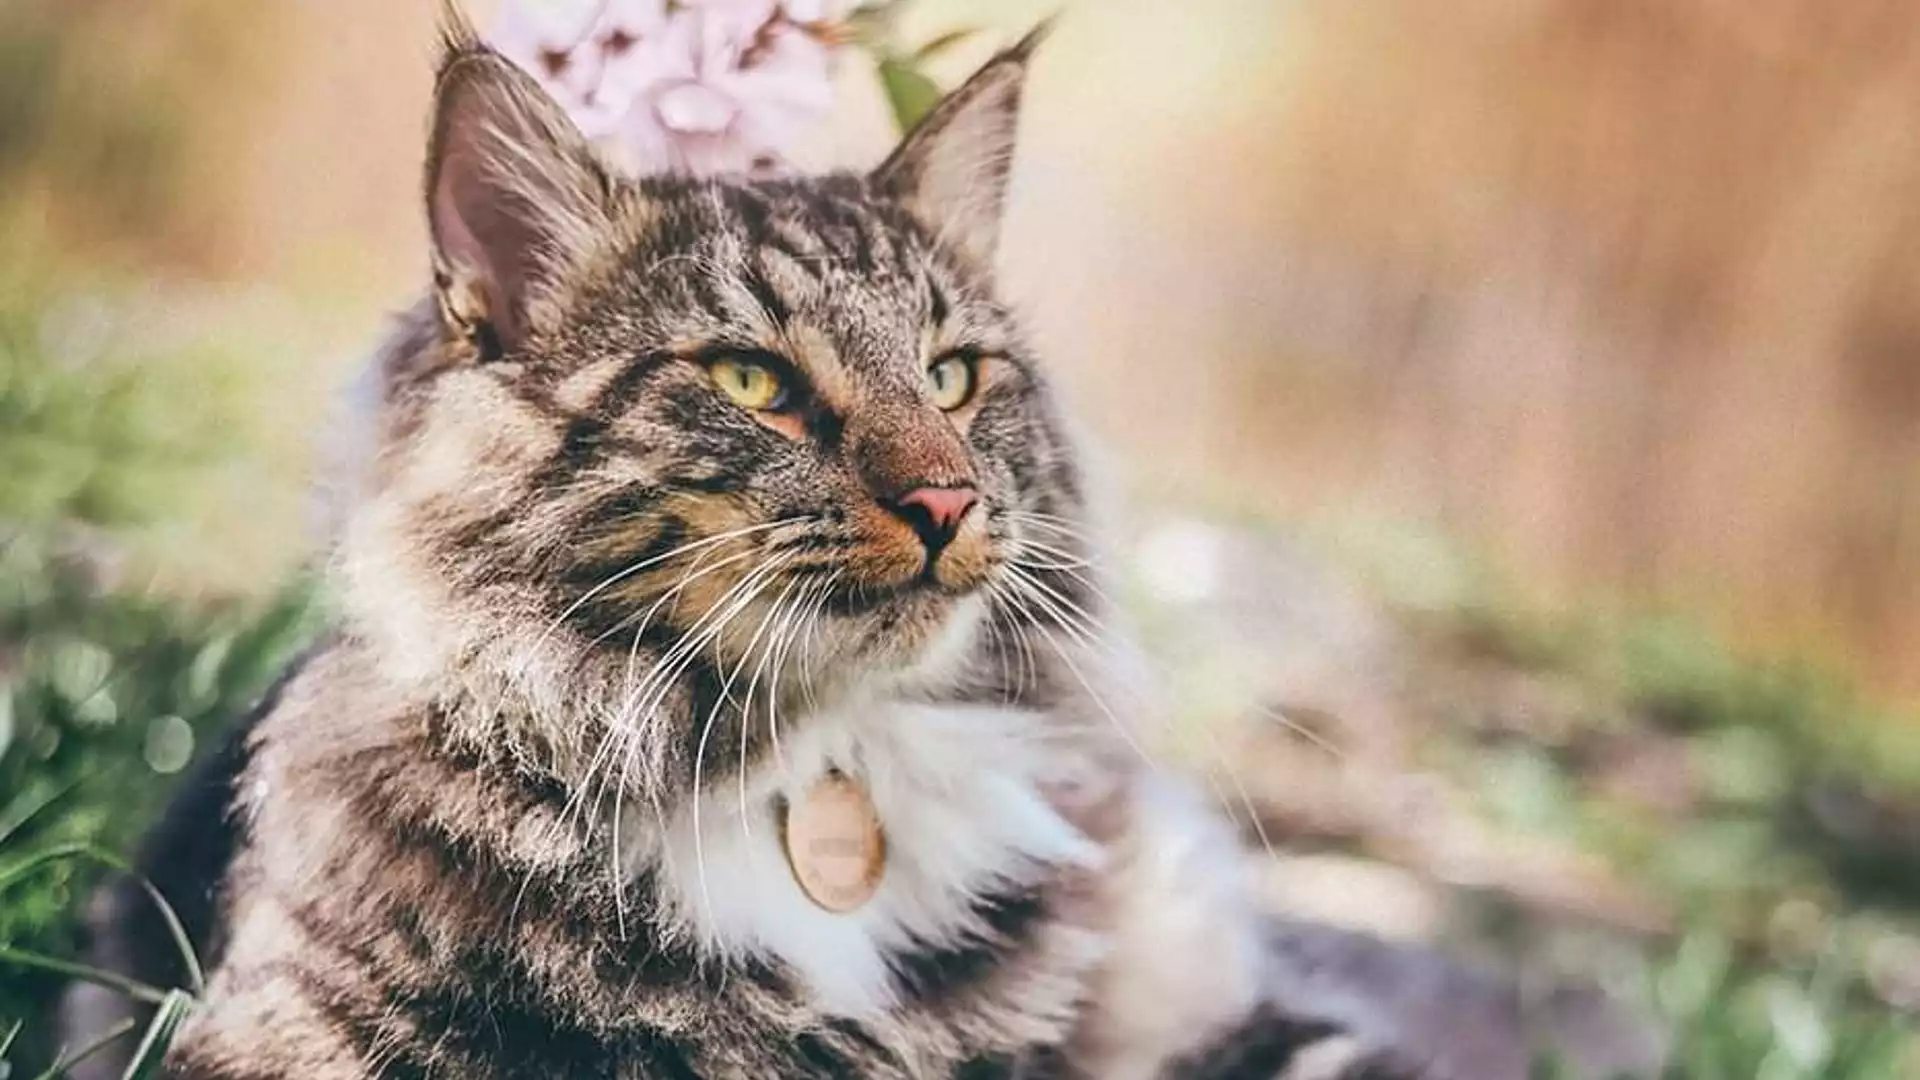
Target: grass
x=107 y=698
x=108 y=686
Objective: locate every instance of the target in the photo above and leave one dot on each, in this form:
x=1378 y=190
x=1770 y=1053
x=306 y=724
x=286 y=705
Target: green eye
x=749 y=383
x=951 y=382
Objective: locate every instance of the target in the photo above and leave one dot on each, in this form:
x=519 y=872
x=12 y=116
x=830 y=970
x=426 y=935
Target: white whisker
x=621 y=575
x=762 y=577
x=1065 y=656
x=652 y=689
x=803 y=610
x=1079 y=624
x=746 y=699
x=811 y=649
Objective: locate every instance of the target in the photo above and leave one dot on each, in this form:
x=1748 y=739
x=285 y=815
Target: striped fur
x=517 y=818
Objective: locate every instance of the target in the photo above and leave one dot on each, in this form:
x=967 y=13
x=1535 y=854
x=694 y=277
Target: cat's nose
x=935 y=513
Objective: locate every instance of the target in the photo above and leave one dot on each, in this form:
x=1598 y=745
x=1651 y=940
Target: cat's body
x=683 y=496
x=418 y=912
x=416 y=896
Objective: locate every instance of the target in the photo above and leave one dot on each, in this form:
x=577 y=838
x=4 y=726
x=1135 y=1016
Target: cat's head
x=717 y=416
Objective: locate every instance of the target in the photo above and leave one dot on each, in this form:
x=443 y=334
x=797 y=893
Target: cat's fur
x=519 y=815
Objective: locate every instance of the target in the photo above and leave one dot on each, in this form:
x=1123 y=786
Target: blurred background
x=1516 y=405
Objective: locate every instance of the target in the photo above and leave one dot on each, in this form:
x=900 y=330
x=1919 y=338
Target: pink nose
x=935 y=513
x=945 y=506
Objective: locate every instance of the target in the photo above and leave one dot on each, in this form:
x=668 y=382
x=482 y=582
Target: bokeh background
x=1515 y=404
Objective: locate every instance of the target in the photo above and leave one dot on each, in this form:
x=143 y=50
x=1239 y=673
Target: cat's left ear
x=952 y=170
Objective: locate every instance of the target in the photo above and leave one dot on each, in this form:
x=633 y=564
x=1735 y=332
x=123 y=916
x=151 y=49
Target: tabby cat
x=685 y=498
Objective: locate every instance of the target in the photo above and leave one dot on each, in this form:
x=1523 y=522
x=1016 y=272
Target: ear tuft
x=515 y=197
x=952 y=171
x=457 y=35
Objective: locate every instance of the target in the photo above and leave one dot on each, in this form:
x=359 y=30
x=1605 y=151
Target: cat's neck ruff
x=960 y=791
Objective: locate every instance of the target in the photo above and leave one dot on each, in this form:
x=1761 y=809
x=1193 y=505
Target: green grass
x=108 y=687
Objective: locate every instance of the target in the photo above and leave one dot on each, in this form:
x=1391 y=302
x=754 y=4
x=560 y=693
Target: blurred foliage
x=1768 y=804
x=910 y=91
x=107 y=694
x=91 y=438
x=1717 y=779
x=110 y=430
x=107 y=687
x=1732 y=1023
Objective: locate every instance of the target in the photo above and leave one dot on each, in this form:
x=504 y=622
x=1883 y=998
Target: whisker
x=618 y=734
x=811 y=649
x=706 y=732
x=1087 y=620
x=1081 y=627
x=1302 y=730
x=997 y=645
x=746 y=699
x=615 y=742
x=1246 y=799
x=649 y=695
x=791 y=629
x=1067 y=559
x=659 y=681
x=1049 y=523
x=1029 y=673
x=1099 y=701
x=1067 y=626
x=621 y=575
x=1065 y=611
x=694 y=573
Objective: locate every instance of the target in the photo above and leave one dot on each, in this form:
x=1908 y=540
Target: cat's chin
x=920 y=636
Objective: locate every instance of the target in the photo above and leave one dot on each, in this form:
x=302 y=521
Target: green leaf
x=911 y=93
x=160 y=1035
x=20 y=813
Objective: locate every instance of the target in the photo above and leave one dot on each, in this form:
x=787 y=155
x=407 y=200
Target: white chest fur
x=957 y=791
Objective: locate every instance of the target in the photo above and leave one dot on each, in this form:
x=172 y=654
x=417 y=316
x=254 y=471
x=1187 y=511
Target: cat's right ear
x=515 y=196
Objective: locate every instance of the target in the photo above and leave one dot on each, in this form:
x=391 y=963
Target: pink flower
x=562 y=43
x=701 y=86
x=718 y=92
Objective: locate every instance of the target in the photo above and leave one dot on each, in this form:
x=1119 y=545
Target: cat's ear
x=952 y=170
x=515 y=196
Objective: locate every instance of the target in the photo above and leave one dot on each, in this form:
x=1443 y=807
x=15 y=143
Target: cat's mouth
x=927 y=589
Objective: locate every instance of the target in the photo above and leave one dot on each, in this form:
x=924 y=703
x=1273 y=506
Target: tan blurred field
x=1624 y=290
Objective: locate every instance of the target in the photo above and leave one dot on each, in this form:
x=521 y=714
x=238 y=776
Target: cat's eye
x=951 y=383
x=750 y=383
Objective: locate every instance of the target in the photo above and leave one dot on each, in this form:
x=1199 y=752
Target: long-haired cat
x=686 y=502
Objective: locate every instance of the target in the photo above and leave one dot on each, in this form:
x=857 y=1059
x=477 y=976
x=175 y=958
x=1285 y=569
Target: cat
x=688 y=499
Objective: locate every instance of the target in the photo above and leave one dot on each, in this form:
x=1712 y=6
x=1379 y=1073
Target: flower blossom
x=692 y=86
